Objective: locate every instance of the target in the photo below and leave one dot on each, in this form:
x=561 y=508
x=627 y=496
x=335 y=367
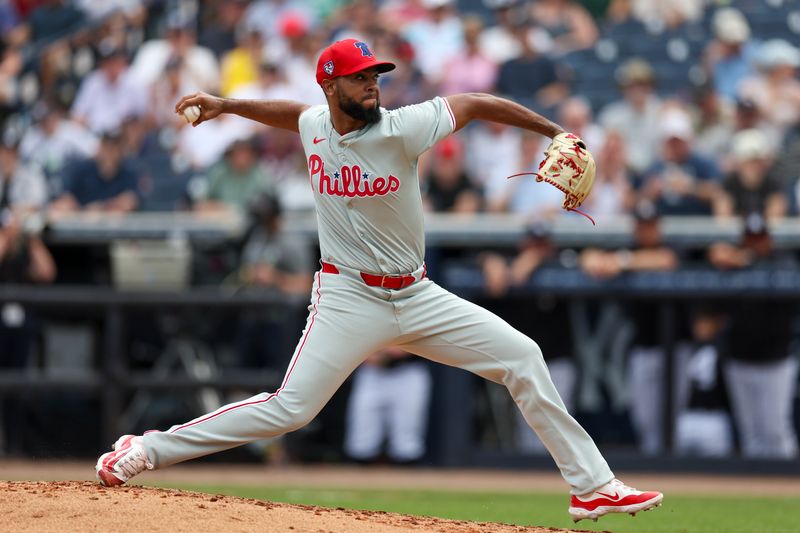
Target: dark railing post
x=113 y=373
x=667 y=334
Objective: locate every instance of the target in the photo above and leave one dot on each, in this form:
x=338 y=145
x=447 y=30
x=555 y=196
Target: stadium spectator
x=357 y=20
x=222 y=23
x=54 y=141
x=531 y=78
x=436 y=39
x=760 y=369
x=714 y=122
x=498 y=41
x=569 y=25
x=446 y=187
x=240 y=66
x=681 y=182
x=23 y=189
x=751 y=187
x=647 y=357
x=300 y=58
x=267 y=15
x=104 y=183
x=659 y=16
x=776 y=89
x=493 y=153
x=612 y=194
x=109 y=95
x=729 y=58
x=523 y=194
x=404 y=85
x=53 y=19
x=131 y=9
x=235 y=180
x=270 y=260
x=636 y=116
x=388 y=402
x=164 y=92
x=200 y=64
x=470 y=70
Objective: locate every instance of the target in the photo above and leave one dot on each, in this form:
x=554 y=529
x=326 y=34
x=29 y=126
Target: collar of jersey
x=347 y=138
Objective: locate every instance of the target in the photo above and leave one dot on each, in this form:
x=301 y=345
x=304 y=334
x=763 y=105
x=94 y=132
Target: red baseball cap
x=346 y=57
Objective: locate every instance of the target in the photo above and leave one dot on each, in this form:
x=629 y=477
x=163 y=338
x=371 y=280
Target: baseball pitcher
x=372 y=290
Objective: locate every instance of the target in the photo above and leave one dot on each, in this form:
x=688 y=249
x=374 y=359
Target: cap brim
x=382 y=66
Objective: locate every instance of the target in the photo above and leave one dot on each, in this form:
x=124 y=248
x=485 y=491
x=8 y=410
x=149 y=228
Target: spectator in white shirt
x=200 y=63
x=109 y=95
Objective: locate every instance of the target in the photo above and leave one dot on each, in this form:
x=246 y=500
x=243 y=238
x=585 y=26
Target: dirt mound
x=85 y=506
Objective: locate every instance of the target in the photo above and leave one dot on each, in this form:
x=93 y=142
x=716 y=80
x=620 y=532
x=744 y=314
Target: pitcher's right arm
x=277 y=113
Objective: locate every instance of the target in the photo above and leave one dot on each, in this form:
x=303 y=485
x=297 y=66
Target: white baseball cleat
x=613 y=497
x=128 y=459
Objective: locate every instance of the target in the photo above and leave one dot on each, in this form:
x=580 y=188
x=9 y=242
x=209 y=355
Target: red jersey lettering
x=350 y=181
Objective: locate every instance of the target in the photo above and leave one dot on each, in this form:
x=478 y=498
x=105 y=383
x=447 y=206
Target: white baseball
x=191 y=113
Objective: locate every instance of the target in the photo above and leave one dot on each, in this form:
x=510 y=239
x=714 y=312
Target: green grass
x=695 y=514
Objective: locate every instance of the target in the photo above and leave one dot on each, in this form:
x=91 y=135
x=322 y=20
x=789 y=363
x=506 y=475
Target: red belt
x=373 y=280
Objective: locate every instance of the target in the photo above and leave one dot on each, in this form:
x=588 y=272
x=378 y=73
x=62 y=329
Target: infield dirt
x=58 y=506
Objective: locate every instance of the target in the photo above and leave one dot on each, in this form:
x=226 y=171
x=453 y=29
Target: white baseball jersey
x=366 y=187
x=370 y=222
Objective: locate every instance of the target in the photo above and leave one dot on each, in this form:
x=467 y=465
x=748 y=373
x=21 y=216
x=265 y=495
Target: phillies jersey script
x=366 y=188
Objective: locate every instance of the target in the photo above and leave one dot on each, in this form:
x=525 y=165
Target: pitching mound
x=59 y=506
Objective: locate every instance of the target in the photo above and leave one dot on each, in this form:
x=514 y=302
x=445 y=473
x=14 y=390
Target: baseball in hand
x=191 y=113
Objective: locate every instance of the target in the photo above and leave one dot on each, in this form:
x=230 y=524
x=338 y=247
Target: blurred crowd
x=87 y=91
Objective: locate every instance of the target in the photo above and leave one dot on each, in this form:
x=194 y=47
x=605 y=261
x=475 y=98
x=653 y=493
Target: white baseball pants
x=349 y=320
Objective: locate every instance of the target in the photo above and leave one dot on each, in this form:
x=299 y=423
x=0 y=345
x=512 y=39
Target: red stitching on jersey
x=449 y=110
x=285 y=379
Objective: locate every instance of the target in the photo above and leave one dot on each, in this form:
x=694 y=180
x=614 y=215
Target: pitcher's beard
x=359 y=112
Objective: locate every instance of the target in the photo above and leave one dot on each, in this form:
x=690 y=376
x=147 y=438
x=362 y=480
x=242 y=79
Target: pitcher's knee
x=300 y=418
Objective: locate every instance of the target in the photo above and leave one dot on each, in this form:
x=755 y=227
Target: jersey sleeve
x=309 y=119
x=423 y=125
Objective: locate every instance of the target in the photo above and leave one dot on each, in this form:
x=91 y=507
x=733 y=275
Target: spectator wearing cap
x=776 y=89
x=200 y=63
x=636 y=116
x=568 y=23
x=436 y=39
x=759 y=367
x=267 y=15
x=470 y=70
x=270 y=260
x=54 y=141
x=647 y=357
x=109 y=95
x=751 y=188
x=104 y=183
x=235 y=180
x=446 y=187
x=729 y=58
x=703 y=428
x=532 y=78
x=53 y=19
x=681 y=182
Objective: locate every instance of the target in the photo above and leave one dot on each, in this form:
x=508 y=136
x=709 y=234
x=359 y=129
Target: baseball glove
x=568 y=166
